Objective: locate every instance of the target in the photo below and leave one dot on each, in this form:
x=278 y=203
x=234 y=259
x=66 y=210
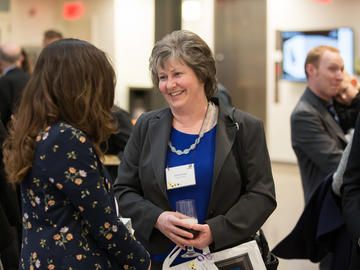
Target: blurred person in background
x=221 y=150
x=50 y=36
x=223 y=94
x=53 y=152
x=10 y=217
x=316 y=135
x=26 y=64
x=13 y=79
x=347 y=102
x=12 y=83
x=116 y=143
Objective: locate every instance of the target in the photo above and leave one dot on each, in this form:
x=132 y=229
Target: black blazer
x=11 y=87
x=351 y=196
x=238 y=207
x=318 y=141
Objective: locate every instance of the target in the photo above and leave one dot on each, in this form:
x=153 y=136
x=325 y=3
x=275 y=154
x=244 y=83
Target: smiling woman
x=190 y=151
x=182 y=90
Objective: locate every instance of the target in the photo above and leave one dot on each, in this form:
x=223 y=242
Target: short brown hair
x=73 y=81
x=191 y=49
x=52 y=34
x=315 y=54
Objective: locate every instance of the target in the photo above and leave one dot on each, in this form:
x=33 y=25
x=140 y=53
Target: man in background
x=50 y=36
x=12 y=81
x=316 y=134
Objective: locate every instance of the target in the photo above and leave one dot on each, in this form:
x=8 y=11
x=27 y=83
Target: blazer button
x=211 y=214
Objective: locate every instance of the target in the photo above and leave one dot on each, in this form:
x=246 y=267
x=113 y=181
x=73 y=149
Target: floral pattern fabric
x=69 y=217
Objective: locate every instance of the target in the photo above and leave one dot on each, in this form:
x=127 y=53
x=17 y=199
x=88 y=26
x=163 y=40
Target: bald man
x=12 y=81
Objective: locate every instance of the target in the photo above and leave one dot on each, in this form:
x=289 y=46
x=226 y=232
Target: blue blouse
x=203 y=158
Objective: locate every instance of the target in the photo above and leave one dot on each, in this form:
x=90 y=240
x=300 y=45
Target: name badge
x=180 y=176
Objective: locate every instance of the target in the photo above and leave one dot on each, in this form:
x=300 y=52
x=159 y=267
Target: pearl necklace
x=211 y=107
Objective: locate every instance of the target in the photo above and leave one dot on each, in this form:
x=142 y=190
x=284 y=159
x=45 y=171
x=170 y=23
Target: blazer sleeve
x=351 y=187
x=78 y=176
x=128 y=188
x=257 y=200
x=309 y=135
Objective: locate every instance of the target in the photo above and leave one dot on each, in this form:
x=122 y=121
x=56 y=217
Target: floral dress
x=68 y=210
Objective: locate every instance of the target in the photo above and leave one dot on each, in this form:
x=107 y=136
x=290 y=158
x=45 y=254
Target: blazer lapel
x=159 y=132
x=225 y=137
x=335 y=126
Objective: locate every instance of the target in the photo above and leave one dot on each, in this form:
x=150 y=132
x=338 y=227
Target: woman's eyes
x=164 y=77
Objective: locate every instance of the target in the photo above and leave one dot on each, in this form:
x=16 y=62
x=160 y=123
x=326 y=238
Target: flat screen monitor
x=296 y=45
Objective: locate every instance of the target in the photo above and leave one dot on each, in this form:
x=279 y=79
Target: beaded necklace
x=211 y=107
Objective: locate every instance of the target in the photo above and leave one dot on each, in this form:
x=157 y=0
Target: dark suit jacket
x=10 y=217
x=351 y=196
x=318 y=141
x=11 y=87
x=238 y=207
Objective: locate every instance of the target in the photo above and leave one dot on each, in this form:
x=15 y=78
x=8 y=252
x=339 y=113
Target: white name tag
x=180 y=176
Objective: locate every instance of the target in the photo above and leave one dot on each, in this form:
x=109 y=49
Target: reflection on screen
x=296 y=46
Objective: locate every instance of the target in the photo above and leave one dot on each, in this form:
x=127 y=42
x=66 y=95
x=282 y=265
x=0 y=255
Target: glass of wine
x=187 y=207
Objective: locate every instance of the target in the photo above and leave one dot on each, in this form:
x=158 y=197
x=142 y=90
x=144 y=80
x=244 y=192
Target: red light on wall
x=73 y=10
x=323 y=1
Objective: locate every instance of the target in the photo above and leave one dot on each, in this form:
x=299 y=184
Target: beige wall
x=30 y=18
x=123 y=29
x=134 y=39
x=204 y=25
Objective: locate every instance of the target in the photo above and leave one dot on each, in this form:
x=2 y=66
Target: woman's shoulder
x=146 y=117
x=60 y=132
x=156 y=113
x=242 y=117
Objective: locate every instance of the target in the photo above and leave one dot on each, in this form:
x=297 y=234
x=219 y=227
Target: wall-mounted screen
x=296 y=45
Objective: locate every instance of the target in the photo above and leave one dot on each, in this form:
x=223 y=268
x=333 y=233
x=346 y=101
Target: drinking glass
x=187 y=207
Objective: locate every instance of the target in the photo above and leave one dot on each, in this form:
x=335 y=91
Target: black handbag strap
x=239 y=148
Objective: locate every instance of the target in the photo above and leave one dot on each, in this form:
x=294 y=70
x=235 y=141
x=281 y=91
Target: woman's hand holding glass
x=169 y=224
x=204 y=237
x=187 y=207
